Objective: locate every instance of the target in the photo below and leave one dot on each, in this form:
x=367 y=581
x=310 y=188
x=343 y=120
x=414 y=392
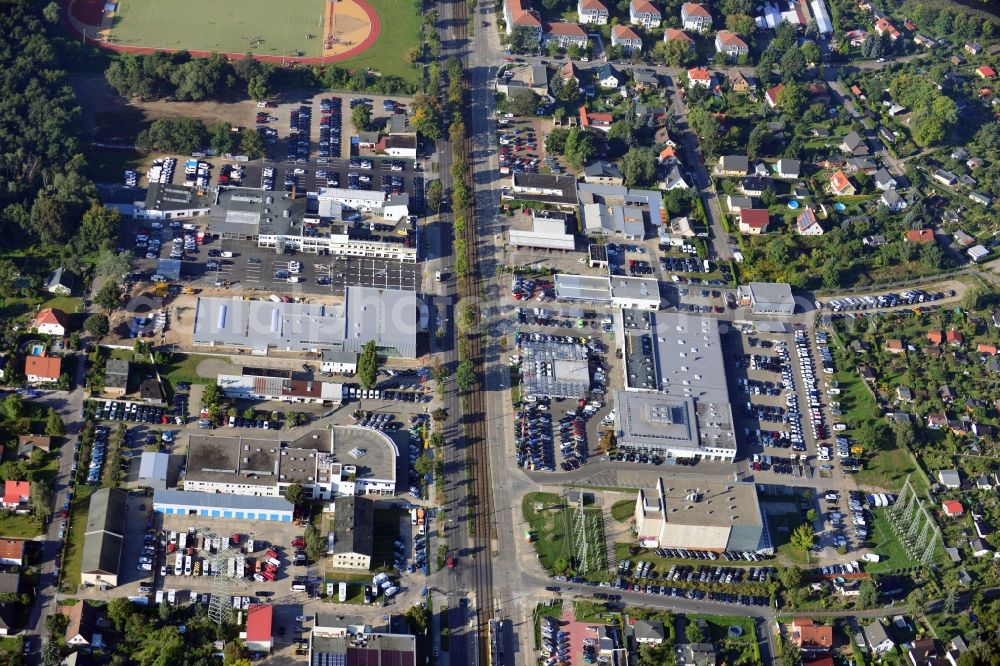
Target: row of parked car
x=908 y=297
x=119 y=410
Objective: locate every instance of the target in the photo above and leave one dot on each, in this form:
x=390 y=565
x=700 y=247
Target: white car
x=299 y=172
x=294 y=267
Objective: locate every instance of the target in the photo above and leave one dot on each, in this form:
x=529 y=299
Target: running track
x=89 y=13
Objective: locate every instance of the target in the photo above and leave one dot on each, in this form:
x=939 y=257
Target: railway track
x=481 y=501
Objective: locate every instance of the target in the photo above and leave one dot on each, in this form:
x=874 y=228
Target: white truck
x=342 y=593
x=188 y=565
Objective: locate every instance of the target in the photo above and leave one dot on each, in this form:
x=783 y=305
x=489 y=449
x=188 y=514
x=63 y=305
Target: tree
x=580 y=147
x=811 y=516
x=676 y=53
x=950 y=601
x=435 y=195
x=234 y=652
x=868 y=597
x=707 y=127
x=427 y=113
x=570 y=92
x=915 y=601
x=522 y=102
x=259 y=88
x=741 y=24
x=419 y=617
x=790 y=577
x=118 y=611
x=252 y=145
x=757 y=139
x=113 y=264
x=802 y=537
x=465 y=375
x=54 y=426
x=220 y=138
x=98 y=229
x=315 y=544
x=424 y=464
x=296 y=494
x=793 y=64
x=52 y=13
x=792 y=99
x=212 y=395
x=40 y=500
x=523 y=39
x=811 y=52
x=694 y=632
x=790 y=654
x=368 y=365
x=639 y=167
x=96 y=325
x=184 y=135
x=361 y=117
x=108 y=296
x=555 y=142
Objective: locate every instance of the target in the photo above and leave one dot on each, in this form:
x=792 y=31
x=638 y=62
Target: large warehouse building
x=216 y=505
x=344 y=460
x=103 y=538
x=392 y=318
x=676 y=398
x=703 y=516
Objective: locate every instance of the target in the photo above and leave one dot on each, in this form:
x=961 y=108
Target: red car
x=451 y=562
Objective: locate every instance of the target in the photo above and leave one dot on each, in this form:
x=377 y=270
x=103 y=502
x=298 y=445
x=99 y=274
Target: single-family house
x=60 y=282
x=591 y=12
x=894 y=346
x=695 y=654
x=904 y=394
x=642 y=12
x=981 y=198
x=853 y=144
x=806 y=223
x=920 y=236
x=754 y=186
x=935 y=337
x=696 y=17
x=735 y=203
x=677 y=35
x=82 y=619
x=985 y=72
x=984 y=348
x=977 y=253
x=979 y=548
x=730 y=43
x=12 y=551
x=627 y=38
x=924 y=41
x=16 y=495
x=788 y=168
x=772 y=94
x=891 y=200
x=519 y=14
x=972 y=48
x=603 y=173
x=29 y=443
x=699 y=76
x=862 y=164
x=884 y=180
x=667 y=156
x=598 y=121
x=809 y=637
x=741 y=82
x=648 y=632
x=674 y=179
x=952 y=508
x=733 y=165
x=950 y=478
x=51 y=321
x=856 y=38
x=944 y=177
x=954 y=337
x=42 y=369
x=883 y=26
x=608 y=77
x=877 y=638
x=841 y=185
x=569 y=71
x=754 y=221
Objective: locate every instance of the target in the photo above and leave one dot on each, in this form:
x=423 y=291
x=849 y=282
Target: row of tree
x=187 y=135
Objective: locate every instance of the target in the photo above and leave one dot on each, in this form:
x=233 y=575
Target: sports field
x=264 y=27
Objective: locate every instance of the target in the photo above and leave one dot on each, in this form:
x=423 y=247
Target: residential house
x=841 y=185
x=952 y=508
x=754 y=186
x=627 y=38
x=954 y=337
x=150 y=391
x=116 y=372
x=958 y=646
x=733 y=165
x=949 y=478
x=12 y=551
x=972 y=48
x=644 y=79
x=42 y=369
x=806 y=223
x=937 y=420
x=946 y=394
x=809 y=637
x=696 y=17
x=920 y=236
x=904 y=394
x=667 y=156
x=31 y=442
x=741 y=82
x=754 y=221
x=82 y=619
x=735 y=203
x=674 y=179
x=984 y=348
x=569 y=71
x=642 y=12
x=519 y=14
x=856 y=38
x=591 y=12
x=771 y=96
x=875 y=240
x=699 y=76
x=863 y=164
x=60 y=282
x=980 y=198
x=944 y=177
x=695 y=654
x=609 y=78
x=676 y=35
x=884 y=180
x=647 y=632
x=883 y=26
x=924 y=652
x=853 y=144
x=50 y=322
x=979 y=548
x=16 y=495
x=924 y=41
x=977 y=253
x=603 y=173
x=788 y=168
x=565 y=34
x=935 y=337
x=877 y=638
x=598 y=121
x=891 y=200
x=894 y=346
x=985 y=72
x=730 y=43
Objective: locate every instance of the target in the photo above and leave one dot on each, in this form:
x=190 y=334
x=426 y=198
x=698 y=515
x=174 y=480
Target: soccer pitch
x=262 y=27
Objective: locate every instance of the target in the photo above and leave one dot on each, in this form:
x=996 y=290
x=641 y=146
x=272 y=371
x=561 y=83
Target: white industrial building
x=548 y=231
x=217 y=505
x=773 y=298
x=279 y=386
x=618 y=291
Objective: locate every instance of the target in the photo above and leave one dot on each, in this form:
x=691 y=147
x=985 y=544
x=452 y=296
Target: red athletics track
x=91 y=13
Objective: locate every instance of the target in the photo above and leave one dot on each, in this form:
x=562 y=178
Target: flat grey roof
x=221 y=501
x=635 y=288
x=390 y=317
x=569 y=376
x=647 y=419
x=720 y=504
x=352 y=525
x=381 y=457
x=776 y=293
x=116 y=373
x=385 y=649
x=582 y=288
x=154 y=465
x=167 y=197
x=213 y=459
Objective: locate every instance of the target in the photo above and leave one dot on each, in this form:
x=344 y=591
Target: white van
x=227 y=254
x=295 y=279
x=437 y=276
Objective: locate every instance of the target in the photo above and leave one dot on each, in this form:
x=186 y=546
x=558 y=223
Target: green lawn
x=67 y=304
x=893 y=555
x=400 y=32
x=734 y=650
x=22 y=526
x=623 y=510
x=549 y=526
x=182 y=368
x=73 y=555
x=544 y=610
